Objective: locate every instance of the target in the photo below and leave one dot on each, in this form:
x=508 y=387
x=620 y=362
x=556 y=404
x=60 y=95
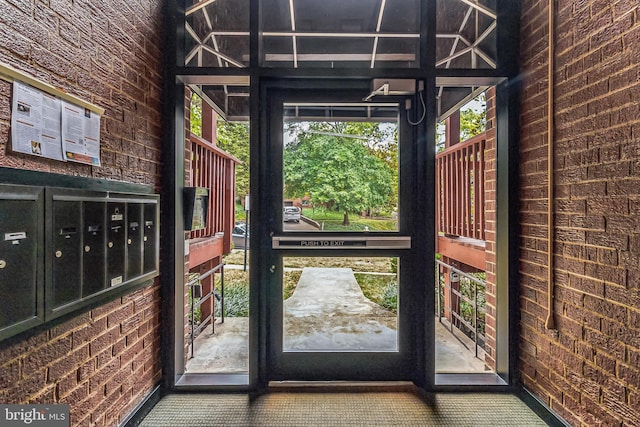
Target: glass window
x=340 y=34
x=340 y=167
x=217 y=33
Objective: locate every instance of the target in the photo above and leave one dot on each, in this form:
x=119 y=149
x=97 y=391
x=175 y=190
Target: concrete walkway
x=329 y=312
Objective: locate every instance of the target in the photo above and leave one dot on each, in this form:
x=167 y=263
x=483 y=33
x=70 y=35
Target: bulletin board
x=48 y=122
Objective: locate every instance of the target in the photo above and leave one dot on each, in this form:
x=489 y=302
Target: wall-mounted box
x=55 y=256
x=97 y=244
x=196 y=207
x=21 y=258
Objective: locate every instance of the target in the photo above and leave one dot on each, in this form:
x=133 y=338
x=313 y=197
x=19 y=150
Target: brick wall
x=588 y=369
x=490 y=231
x=103 y=362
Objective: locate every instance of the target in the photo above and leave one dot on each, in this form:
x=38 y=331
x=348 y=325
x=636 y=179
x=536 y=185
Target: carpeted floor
x=300 y=409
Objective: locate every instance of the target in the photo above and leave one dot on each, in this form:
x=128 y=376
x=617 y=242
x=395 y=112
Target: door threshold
x=342 y=386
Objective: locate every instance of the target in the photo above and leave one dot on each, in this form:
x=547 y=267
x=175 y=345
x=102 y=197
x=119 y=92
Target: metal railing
x=471 y=326
x=193 y=285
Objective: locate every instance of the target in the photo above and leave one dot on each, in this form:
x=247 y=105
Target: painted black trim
x=47 y=179
x=540 y=408
x=143 y=408
x=173 y=46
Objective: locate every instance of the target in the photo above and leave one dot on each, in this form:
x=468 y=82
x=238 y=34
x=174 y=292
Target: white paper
x=80 y=134
x=35 y=122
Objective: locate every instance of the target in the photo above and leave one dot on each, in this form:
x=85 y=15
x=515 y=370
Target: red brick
x=68 y=362
x=41 y=357
x=9 y=373
x=120 y=314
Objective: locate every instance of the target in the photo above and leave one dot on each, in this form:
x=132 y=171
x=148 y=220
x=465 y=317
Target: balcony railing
x=214 y=169
x=460 y=189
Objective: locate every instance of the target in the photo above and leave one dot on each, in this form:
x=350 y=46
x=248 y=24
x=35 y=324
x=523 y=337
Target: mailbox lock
x=110 y=244
x=58 y=254
x=87 y=248
x=3 y=263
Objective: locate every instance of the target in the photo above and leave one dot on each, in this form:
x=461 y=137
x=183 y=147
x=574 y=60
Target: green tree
x=195 y=114
x=233 y=137
x=472 y=123
x=337 y=171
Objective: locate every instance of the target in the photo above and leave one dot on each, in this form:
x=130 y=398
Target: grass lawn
x=332 y=221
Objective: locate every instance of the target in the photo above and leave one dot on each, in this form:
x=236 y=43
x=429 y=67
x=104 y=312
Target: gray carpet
x=283 y=409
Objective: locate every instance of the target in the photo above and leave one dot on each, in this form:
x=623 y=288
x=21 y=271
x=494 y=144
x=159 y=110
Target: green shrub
x=390 y=297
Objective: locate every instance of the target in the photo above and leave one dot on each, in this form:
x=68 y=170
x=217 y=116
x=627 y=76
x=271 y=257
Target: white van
x=291 y=213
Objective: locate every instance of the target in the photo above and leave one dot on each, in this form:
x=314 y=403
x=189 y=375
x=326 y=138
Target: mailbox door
x=67 y=255
x=150 y=238
x=134 y=240
x=20 y=269
x=93 y=247
x=116 y=242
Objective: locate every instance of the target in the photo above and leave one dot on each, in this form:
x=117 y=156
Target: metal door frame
x=410 y=362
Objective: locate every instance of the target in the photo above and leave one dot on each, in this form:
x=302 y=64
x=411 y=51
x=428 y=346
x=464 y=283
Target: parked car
x=291 y=213
x=237 y=235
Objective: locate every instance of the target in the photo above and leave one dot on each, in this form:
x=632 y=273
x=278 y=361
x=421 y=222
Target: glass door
x=345 y=286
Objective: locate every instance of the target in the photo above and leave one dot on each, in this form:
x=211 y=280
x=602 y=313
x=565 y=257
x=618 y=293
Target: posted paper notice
x=80 y=134
x=35 y=122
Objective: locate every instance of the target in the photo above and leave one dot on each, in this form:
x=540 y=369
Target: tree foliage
x=473 y=121
x=338 y=167
x=233 y=137
x=195 y=115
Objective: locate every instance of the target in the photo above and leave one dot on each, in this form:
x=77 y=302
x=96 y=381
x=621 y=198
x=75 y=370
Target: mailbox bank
x=63 y=249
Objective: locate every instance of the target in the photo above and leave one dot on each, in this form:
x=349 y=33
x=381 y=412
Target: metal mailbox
x=21 y=242
x=93 y=247
x=67 y=252
x=116 y=242
x=134 y=240
x=62 y=249
x=150 y=237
